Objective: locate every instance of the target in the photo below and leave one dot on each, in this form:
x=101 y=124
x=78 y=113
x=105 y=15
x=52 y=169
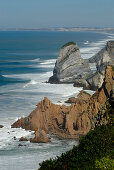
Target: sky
x=56 y=13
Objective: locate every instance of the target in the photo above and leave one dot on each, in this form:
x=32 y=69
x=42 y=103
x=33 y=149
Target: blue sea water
x=27 y=60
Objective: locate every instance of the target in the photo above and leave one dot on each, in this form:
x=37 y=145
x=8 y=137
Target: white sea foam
x=7 y=134
x=46 y=62
x=87 y=42
x=32 y=82
x=92 y=48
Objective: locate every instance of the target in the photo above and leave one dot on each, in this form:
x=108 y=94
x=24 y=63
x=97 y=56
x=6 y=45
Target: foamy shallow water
x=19 y=99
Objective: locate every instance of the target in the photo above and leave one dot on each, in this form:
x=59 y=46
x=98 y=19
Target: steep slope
x=69 y=65
x=102 y=58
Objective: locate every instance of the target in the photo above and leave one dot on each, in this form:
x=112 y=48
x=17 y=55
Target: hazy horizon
x=33 y=14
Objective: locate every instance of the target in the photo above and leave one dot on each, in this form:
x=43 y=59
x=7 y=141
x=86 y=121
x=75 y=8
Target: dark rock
x=20 y=145
x=1 y=126
x=14 y=138
x=23 y=139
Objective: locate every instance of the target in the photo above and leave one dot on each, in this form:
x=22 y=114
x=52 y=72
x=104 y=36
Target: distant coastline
x=64 y=29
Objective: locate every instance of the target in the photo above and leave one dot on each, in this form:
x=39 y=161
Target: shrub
x=69 y=43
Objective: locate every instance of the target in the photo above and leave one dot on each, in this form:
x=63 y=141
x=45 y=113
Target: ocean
x=27 y=59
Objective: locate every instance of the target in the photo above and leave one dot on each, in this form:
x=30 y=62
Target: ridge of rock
x=70 y=121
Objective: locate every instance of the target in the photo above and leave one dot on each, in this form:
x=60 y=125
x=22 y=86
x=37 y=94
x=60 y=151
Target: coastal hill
x=70 y=121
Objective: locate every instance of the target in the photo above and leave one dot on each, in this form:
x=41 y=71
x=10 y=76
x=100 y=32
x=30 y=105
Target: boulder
x=23 y=139
x=71 y=100
x=1 y=126
x=14 y=138
x=20 y=145
x=83 y=95
x=81 y=83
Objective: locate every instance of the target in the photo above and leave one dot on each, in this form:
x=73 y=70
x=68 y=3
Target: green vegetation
x=95 y=151
x=69 y=43
x=112 y=68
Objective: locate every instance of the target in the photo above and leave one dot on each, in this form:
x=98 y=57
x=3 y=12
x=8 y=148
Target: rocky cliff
x=74 y=120
x=102 y=58
x=69 y=65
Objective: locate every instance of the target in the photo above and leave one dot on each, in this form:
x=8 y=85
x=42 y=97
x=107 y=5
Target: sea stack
x=69 y=65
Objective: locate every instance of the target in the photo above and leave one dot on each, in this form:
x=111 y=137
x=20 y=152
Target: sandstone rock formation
x=40 y=137
x=68 y=121
x=81 y=96
x=69 y=65
x=71 y=100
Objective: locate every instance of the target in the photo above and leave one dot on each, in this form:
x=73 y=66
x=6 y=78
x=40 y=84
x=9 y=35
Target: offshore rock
x=69 y=121
x=23 y=139
x=1 y=126
x=69 y=65
x=40 y=137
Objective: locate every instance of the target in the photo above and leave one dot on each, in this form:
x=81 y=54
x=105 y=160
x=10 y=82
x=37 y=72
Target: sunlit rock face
x=69 y=121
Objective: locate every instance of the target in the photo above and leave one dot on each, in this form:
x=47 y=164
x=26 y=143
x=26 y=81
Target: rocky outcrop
x=40 y=137
x=81 y=96
x=1 y=126
x=69 y=65
x=23 y=139
x=71 y=100
x=68 y=121
x=102 y=59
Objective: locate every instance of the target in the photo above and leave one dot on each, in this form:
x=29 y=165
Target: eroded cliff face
x=102 y=59
x=69 y=121
x=69 y=65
